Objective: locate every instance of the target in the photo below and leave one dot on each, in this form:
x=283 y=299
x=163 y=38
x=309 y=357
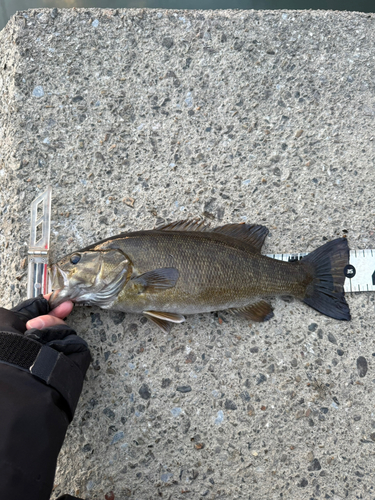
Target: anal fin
x=259 y=311
x=164 y=320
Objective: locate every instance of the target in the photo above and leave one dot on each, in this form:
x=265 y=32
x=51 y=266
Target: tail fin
x=325 y=293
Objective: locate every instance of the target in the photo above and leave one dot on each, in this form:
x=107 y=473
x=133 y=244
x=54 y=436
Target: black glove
x=41 y=378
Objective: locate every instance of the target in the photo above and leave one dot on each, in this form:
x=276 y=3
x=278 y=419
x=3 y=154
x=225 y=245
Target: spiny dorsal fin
x=252 y=234
x=259 y=311
x=185 y=225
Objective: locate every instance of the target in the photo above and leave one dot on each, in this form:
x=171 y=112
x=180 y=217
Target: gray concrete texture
x=139 y=116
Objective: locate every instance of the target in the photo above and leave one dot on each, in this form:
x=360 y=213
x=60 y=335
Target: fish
x=187 y=267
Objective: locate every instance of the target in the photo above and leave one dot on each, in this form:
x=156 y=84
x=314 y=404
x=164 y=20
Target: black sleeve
x=68 y=497
x=35 y=409
x=33 y=427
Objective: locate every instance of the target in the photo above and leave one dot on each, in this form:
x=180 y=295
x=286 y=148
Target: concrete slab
x=135 y=116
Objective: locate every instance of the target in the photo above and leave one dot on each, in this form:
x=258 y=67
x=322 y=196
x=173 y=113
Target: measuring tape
x=359 y=273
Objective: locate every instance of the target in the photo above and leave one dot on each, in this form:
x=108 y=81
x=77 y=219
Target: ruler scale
x=359 y=273
x=38 y=277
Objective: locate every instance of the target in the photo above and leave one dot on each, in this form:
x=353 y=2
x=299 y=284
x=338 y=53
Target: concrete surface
x=135 y=116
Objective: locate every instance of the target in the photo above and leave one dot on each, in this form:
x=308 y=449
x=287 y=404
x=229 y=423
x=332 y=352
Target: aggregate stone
x=332 y=338
x=245 y=396
x=230 y=405
x=166 y=382
x=139 y=117
x=183 y=388
x=362 y=366
x=261 y=378
x=315 y=465
x=144 y=391
x=303 y=483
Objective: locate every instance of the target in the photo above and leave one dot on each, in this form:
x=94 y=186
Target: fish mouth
x=61 y=291
x=58 y=297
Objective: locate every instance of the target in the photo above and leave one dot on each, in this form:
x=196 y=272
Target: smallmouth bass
x=186 y=267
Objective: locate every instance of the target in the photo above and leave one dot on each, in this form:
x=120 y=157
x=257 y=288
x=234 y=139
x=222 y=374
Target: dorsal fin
x=185 y=225
x=252 y=234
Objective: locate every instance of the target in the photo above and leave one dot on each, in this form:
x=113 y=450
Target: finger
x=63 y=310
x=44 y=322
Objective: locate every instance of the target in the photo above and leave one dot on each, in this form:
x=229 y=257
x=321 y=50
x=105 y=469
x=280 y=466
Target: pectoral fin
x=259 y=311
x=157 y=280
x=164 y=320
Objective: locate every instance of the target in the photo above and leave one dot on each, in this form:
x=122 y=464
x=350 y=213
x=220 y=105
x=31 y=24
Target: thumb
x=44 y=322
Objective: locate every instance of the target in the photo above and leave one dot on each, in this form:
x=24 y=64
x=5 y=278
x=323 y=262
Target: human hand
x=33 y=313
x=54 y=317
x=50 y=337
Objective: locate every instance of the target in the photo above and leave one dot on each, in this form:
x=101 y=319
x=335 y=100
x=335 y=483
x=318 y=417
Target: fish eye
x=74 y=259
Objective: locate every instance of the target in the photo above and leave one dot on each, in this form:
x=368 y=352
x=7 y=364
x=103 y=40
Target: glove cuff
x=48 y=365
